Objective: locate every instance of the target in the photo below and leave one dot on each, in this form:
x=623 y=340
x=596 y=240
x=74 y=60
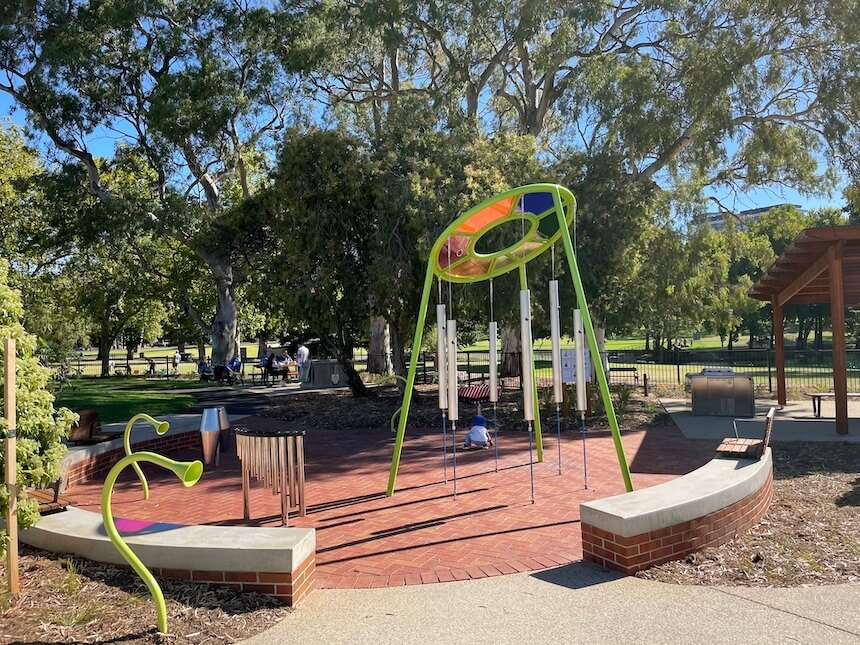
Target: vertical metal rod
x=531 y=464
x=454 y=443
x=584 y=456
x=558 y=430
x=496 y=436
x=445 y=447
x=538 y=434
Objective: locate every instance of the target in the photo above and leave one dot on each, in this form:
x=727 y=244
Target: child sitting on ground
x=478 y=435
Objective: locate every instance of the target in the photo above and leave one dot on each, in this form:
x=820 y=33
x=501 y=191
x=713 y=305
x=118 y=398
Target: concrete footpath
x=578 y=603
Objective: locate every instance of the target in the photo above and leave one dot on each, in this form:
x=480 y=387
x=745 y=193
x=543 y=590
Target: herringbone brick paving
x=422 y=534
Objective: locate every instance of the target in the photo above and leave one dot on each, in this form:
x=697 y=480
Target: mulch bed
x=72 y=600
x=339 y=410
x=810 y=535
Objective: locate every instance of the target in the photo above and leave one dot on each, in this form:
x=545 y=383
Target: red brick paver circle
x=422 y=534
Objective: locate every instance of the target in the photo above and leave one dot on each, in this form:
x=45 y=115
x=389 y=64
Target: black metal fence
x=805 y=369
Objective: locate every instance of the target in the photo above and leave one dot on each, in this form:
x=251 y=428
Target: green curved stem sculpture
x=160 y=427
x=189 y=473
x=383 y=381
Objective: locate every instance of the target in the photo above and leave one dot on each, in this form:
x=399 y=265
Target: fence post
x=645 y=383
x=677 y=365
x=468 y=367
x=769 y=376
x=424 y=367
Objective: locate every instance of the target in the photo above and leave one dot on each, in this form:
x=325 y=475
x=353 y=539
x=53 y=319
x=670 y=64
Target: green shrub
x=40 y=426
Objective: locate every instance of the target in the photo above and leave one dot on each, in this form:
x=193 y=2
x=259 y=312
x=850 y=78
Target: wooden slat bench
x=50 y=500
x=88 y=428
x=818 y=396
x=753 y=448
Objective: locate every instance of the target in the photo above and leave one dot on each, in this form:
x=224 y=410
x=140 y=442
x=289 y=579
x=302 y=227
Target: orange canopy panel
x=453 y=249
x=495 y=211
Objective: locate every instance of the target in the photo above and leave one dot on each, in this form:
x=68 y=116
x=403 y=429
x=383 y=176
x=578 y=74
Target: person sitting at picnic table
x=478 y=435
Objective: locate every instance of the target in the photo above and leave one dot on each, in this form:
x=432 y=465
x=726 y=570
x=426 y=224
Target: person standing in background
x=303 y=361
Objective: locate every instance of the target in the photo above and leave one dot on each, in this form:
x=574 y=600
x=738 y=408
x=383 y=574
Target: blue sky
x=103 y=146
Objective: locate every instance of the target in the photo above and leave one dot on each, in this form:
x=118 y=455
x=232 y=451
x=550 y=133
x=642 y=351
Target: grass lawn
x=120 y=399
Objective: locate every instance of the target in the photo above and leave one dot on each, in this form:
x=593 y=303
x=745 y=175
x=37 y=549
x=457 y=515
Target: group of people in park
x=280 y=365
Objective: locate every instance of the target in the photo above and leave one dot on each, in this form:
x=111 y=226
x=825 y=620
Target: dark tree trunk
x=511 y=349
x=647 y=342
x=343 y=355
x=105 y=344
x=398 y=356
x=201 y=349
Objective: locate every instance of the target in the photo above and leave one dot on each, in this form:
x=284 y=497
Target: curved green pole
x=382 y=381
x=189 y=473
x=410 y=379
x=596 y=359
x=160 y=427
x=538 y=439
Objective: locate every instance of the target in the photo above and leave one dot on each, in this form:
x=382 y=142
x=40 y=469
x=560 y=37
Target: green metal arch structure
x=549 y=210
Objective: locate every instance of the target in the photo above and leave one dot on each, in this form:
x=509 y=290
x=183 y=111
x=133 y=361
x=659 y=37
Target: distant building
x=717 y=221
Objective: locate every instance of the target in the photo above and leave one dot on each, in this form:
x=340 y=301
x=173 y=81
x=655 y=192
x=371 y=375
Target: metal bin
x=723 y=395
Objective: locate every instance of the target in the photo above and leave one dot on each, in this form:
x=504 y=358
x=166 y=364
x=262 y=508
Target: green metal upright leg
x=538 y=438
x=602 y=382
x=410 y=379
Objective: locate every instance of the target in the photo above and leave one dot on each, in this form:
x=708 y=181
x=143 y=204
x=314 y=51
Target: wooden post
x=779 y=346
x=837 y=315
x=9 y=401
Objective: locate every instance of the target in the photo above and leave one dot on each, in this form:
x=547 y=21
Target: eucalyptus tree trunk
x=379 y=347
x=398 y=355
x=223 y=328
x=511 y=349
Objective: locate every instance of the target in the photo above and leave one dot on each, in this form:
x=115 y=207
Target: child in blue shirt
x=478 y=435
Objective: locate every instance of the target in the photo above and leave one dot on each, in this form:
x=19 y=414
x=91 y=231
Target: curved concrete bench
x=704 y=508
x=275 y=561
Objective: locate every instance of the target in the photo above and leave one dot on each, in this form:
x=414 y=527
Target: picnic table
x=818 y=396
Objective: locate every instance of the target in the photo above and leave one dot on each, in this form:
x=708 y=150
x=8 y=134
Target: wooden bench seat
x=50 y=500
x=88 y=428
x=752 y=448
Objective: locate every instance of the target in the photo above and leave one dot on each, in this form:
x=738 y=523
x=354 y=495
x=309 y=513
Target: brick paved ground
x=422 y=534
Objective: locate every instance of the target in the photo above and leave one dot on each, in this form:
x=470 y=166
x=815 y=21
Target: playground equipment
x=189 y=472
x=545 y=213
x=160 y=428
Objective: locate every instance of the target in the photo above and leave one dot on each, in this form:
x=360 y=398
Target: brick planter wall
x=98 y=466
x=288 y=588
x=638 y=552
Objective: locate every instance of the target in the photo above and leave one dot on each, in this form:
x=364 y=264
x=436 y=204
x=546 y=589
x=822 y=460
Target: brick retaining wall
x=288 y=588
x=98 y=466
x=638 y=552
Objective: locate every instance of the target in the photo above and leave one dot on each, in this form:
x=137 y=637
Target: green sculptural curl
x=161 y=427
x=189 y=472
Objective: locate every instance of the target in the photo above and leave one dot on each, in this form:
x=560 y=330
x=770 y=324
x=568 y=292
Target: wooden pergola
x=822 y=265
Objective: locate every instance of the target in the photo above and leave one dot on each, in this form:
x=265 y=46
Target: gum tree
x=196 y=89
